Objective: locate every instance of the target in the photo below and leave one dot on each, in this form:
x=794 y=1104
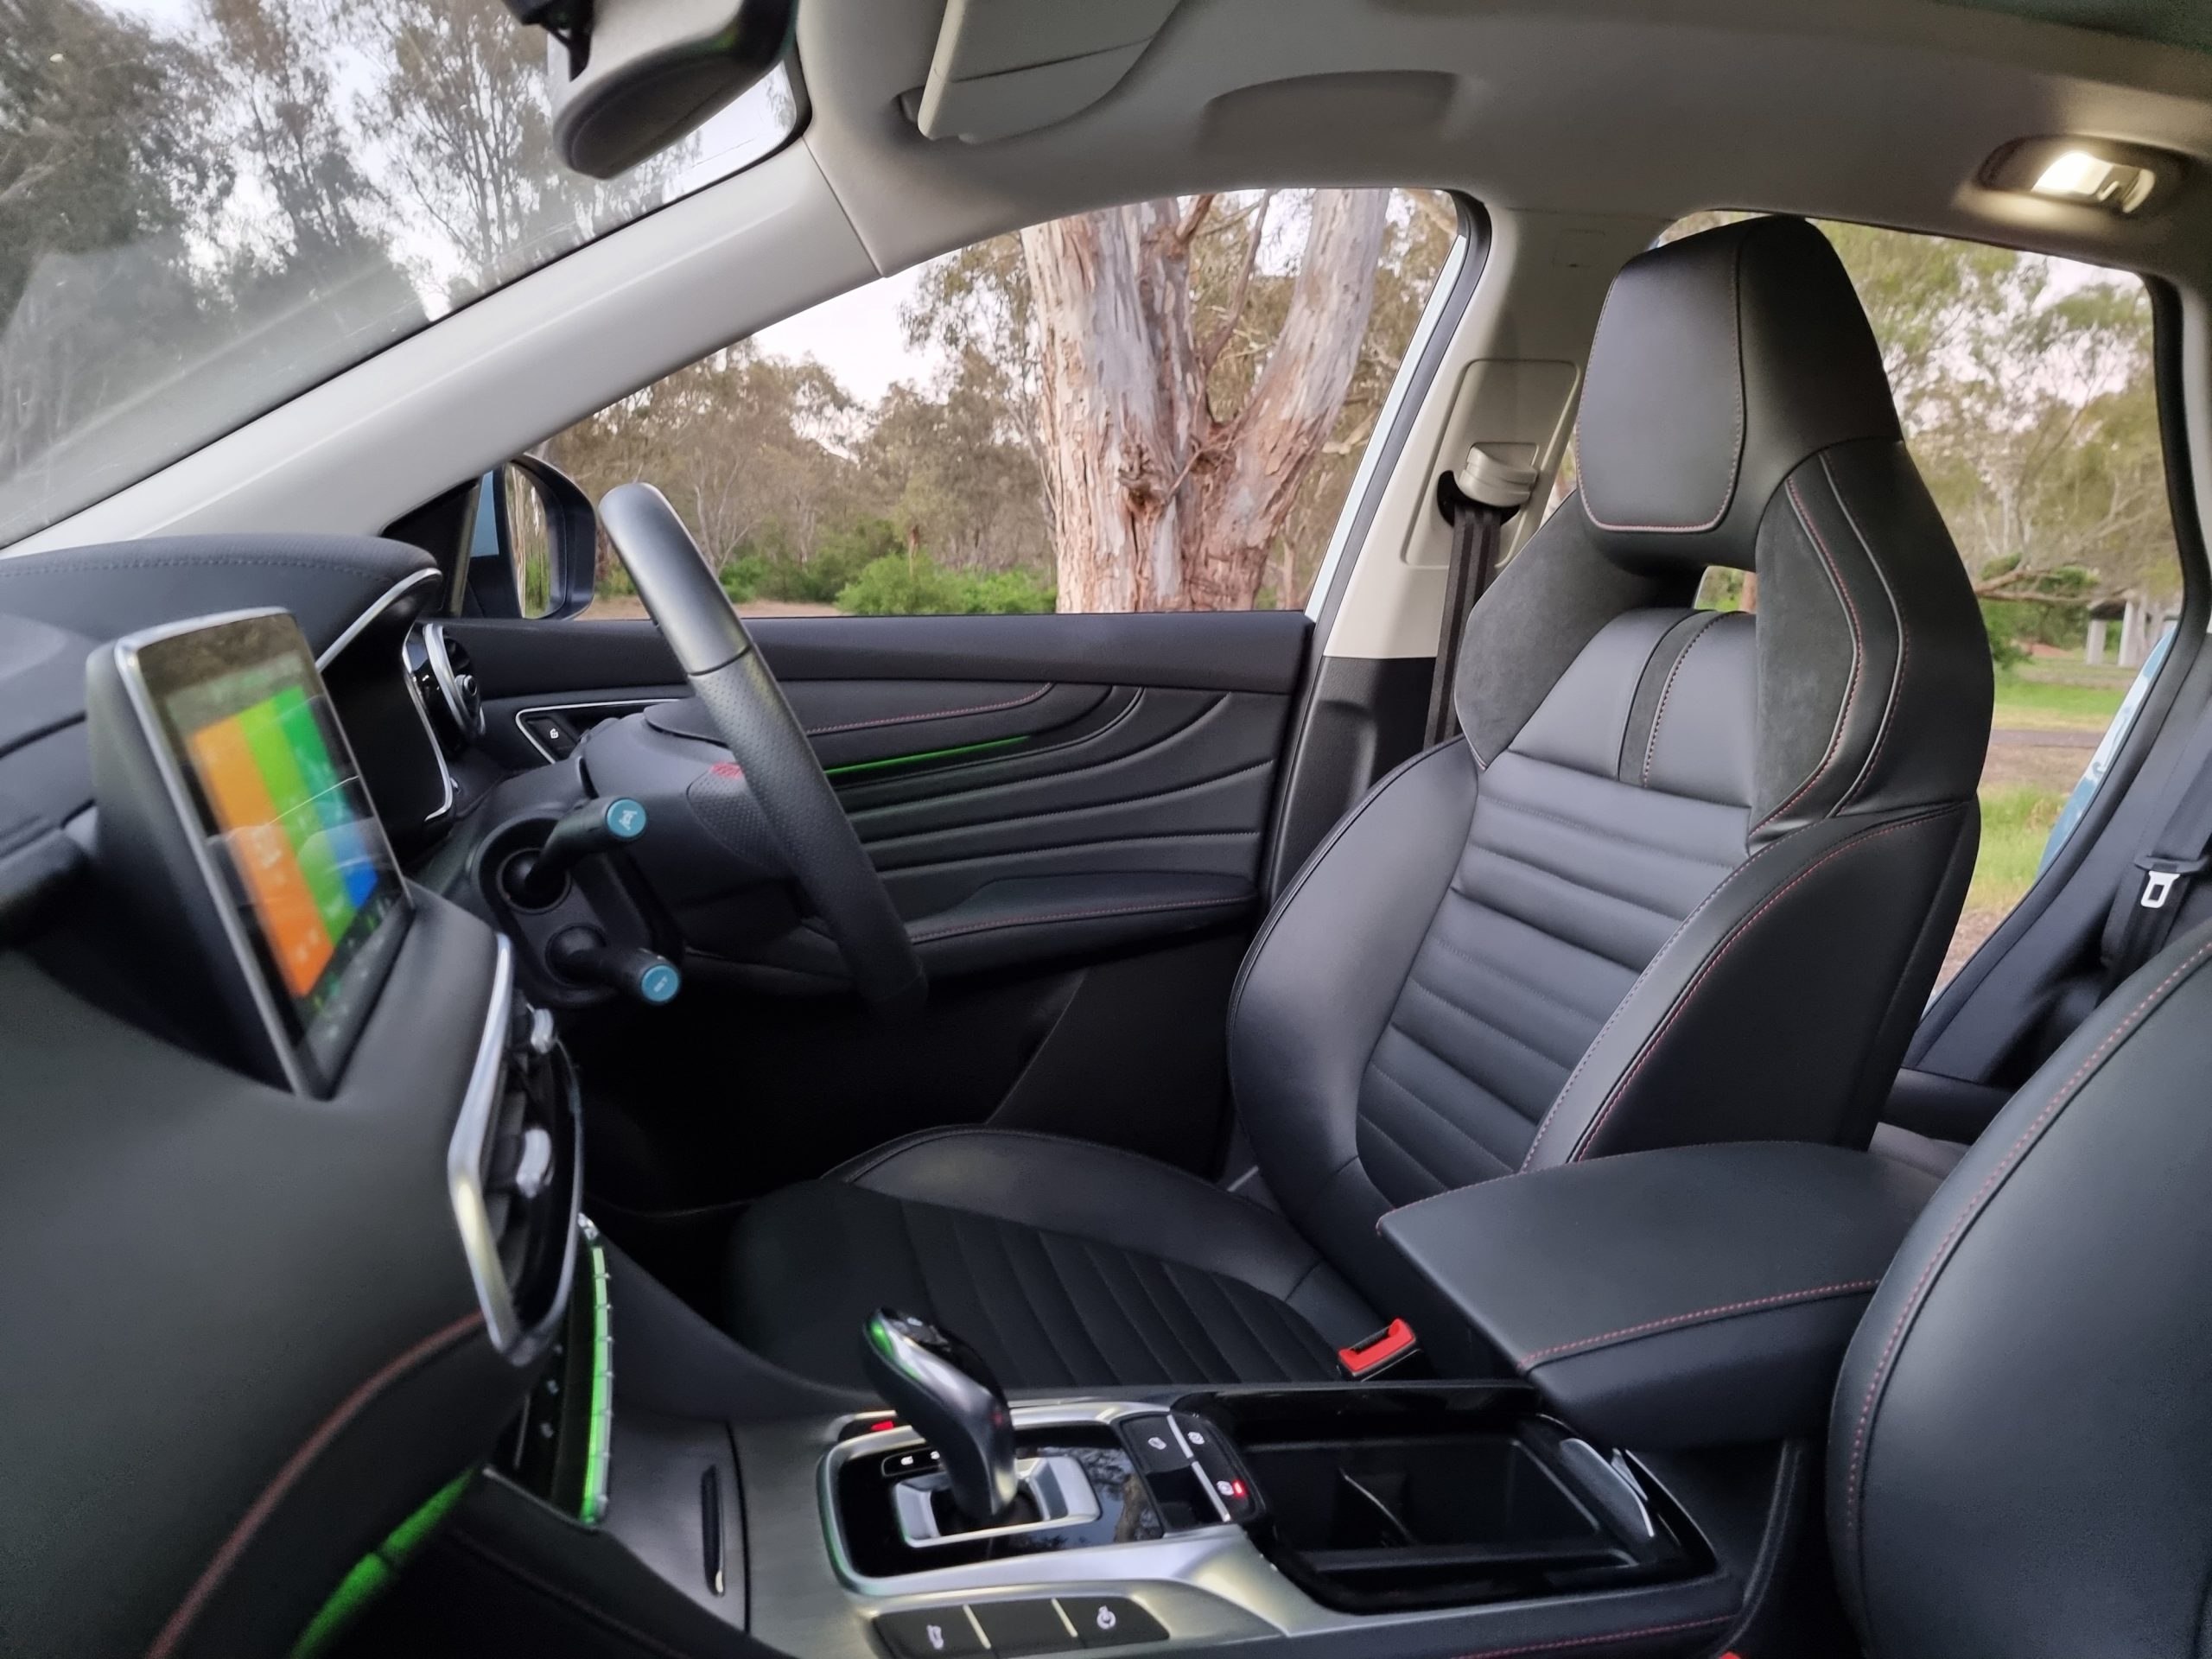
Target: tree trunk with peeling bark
x=1157 y=504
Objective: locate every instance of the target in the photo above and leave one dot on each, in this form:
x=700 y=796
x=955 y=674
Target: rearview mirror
x=629 y=78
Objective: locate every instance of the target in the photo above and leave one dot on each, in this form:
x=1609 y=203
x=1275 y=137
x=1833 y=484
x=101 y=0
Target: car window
x=1155 y=407
x=2025 y=383
x=208 y=206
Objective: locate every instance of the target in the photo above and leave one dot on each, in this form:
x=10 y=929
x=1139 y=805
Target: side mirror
x=629 y=78
x=533 y=549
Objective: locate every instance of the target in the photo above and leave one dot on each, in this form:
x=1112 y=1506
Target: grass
x=2015 y=823
x=2043 y=697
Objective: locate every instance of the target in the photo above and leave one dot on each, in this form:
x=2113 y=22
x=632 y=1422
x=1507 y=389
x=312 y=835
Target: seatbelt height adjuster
x=1371 y=1355
x=2162 y=875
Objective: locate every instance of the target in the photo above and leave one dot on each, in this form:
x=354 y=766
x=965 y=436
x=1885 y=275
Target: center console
x=1640 y=1485
x=1247 y=1512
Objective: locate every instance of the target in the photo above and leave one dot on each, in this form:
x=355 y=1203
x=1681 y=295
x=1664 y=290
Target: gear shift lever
x=943 y=1389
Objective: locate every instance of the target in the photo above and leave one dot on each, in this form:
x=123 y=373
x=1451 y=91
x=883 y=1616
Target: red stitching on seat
x=1780 y=1299
x=1864 y=838
x=1972 y=1209
x=934 y=713
x=226 y=1557
x=1593 y=1641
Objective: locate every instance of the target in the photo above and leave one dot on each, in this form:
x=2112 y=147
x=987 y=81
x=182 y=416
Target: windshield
x=208 y=206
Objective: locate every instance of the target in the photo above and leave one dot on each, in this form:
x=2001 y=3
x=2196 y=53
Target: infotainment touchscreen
x=278 y=805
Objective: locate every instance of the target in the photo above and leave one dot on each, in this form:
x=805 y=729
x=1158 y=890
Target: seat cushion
x=1065 y=1264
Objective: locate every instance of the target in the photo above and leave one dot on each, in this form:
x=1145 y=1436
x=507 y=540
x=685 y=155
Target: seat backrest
x=1687 y=876
x=2020 y=1448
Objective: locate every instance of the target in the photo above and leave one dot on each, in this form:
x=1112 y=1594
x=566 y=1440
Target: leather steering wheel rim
x=769 y=745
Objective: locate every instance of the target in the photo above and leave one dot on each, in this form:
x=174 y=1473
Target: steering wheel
x=765 y=738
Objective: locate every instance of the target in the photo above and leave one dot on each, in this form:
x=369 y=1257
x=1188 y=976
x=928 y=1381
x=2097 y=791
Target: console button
x=1016 y=1627
x=1111 y=1620
x=919 y=1460
x=927 y=1634
x=1151 y=1444
x=1219 y=1469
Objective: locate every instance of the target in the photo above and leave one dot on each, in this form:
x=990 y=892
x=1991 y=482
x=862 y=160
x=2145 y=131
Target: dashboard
x=290 y=1168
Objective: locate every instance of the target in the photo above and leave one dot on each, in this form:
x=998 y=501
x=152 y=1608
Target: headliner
x=1878 y=110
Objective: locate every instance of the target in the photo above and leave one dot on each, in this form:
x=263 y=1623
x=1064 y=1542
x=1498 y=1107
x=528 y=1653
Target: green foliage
x=2028 y=401
x=2016 y=822
x=771 y=568
x=902 y=584
x=2034 y=697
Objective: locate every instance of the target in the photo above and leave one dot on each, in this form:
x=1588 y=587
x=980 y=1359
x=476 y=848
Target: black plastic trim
x=1308 y=764
x=1209 y=651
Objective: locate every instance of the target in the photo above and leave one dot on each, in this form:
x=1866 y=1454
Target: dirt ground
x=2041 y=760
x=2049 y=760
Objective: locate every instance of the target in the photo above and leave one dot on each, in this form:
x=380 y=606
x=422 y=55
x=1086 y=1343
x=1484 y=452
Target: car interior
x=1450 y=1121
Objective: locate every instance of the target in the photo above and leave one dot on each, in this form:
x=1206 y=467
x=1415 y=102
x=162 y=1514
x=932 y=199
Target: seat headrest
x=1721 y=362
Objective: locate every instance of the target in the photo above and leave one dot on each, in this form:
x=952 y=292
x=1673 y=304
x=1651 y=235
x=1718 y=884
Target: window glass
x=1151 y=407
x=2025 y=383
x=208 y=206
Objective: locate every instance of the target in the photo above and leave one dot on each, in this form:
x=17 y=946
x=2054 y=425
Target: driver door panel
x=1072 y=813
x=1029 y=787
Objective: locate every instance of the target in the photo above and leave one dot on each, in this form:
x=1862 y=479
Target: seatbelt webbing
x=1476 y=531
x=1476 y=501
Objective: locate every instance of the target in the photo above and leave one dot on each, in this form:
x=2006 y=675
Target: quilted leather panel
x=1568 y=886
x=1052 y=1309
x=1047 y=1309
x=1570 y=883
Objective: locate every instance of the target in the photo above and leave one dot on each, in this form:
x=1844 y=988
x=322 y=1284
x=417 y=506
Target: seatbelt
x=1476 y=500
x=2177 y=857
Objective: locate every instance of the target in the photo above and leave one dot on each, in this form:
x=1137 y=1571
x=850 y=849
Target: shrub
x=896 y=585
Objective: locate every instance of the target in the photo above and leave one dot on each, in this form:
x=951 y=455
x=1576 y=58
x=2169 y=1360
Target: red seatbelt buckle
x=1372 y=1354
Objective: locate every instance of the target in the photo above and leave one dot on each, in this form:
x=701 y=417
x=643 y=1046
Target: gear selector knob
x=943 y=1389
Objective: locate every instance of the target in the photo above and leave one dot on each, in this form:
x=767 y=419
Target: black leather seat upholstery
x=2019 y=1457
x=1687 y=877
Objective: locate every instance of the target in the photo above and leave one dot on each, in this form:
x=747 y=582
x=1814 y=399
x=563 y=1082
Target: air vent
x=455 y=674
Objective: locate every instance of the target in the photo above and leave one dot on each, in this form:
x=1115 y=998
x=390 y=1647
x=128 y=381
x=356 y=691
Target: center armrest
x=1693 y=1296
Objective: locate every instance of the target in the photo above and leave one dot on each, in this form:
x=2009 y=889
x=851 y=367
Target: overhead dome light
x=2079 y=176
x=2089 y=173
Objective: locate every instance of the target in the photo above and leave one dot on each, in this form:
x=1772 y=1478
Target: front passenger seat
x=1687 y=876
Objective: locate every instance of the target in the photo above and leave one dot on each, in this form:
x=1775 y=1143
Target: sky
x=857 y=337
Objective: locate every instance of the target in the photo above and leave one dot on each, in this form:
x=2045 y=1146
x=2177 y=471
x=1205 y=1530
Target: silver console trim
x=1061 y=1491
x=464 y=1160
x=1248 y=1596
x=1210 y=1587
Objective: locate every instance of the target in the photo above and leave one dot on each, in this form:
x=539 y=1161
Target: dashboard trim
x=430 y=737
x=354 y=630
x=359 y=624
x=521 y=715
